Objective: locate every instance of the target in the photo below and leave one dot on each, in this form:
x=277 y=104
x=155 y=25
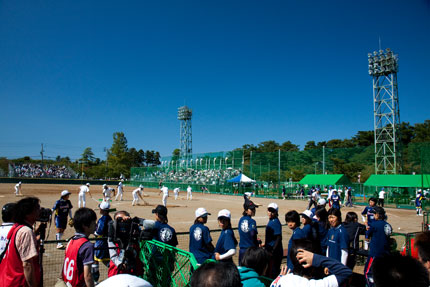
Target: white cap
x=321 y=201
x=19 y=182
x=307 y=213
x=273 y=205
x=124 y=280
x=64 y=193
x=104 y=205
x=88 y=184
x=225 y=213
x=104 y=185
x=200 y=212
x=140 y=186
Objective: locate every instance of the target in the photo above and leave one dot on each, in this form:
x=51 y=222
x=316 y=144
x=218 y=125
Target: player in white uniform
x=165 y=192
x=82 y=190
x=120 y=191
x=189 y=193
x=107 y=191
x=176 y=192
x=18 y=189
x=136 y=194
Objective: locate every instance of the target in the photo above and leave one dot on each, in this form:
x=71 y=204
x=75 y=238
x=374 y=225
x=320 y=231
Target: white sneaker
x=60 y=246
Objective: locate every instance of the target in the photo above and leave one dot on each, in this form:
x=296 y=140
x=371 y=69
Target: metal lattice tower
x=184 y=115
x=383 y=67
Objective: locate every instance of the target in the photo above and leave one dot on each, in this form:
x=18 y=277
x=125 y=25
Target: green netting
x=273 y=170
x=165 y=265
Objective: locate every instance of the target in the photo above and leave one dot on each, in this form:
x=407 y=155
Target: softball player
x=18 y=189
x=165 y=192
x=62 y=208
x=136 y=194
x=189 y=193
x=176 y=192
x=120 y=191
x=107 y=191
x=82 y=190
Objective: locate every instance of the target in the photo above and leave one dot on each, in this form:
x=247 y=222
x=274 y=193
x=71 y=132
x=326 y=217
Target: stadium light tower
x=383 y=67
x=184 y=115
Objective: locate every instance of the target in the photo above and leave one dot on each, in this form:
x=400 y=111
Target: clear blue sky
x=74 y=72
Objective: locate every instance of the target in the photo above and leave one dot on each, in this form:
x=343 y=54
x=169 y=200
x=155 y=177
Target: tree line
x=352 y=156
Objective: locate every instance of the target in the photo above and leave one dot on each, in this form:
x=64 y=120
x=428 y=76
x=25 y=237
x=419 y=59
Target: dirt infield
x=181 y=214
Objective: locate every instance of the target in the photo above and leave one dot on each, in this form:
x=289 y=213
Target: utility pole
x=41 y=153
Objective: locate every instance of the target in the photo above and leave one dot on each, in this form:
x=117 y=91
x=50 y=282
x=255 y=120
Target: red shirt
x=11 y=269
x=71 y=273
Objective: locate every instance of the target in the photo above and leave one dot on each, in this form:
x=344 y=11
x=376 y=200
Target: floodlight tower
x=383 y=67
x=184 y=115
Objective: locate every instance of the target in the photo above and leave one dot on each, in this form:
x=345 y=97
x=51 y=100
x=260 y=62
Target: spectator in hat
x=273 y=240
x=225 y=247
x=292 y=218
x=101 y=254
x=378 y=232
x=247 y=228
x=62 y=208
x=311 y=230
x=320 y=204
x=200 y=238
x=8 y=218
x=163 y=232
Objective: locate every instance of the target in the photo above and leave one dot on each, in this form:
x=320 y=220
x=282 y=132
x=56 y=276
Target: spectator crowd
x=32 y=170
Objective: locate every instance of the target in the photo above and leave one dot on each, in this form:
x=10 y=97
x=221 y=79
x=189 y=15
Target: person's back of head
x=394 y=270
x=8 y=212
x=25 y=207
x=422 y=244
x=351 y=217
x=83 y=217
x=311 y=272
x=216 y=274
x=256 y=258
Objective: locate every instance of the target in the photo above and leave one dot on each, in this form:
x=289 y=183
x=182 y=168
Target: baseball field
x=181 y=214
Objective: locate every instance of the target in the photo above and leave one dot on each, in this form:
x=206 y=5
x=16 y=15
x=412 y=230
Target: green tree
x=136 y=158
x=87 y=157
x=268 y=146
x=118 y=157
x=289 y=146
x=176 y=154
x=364 y=138
x=422 y=132
x=310 y=145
